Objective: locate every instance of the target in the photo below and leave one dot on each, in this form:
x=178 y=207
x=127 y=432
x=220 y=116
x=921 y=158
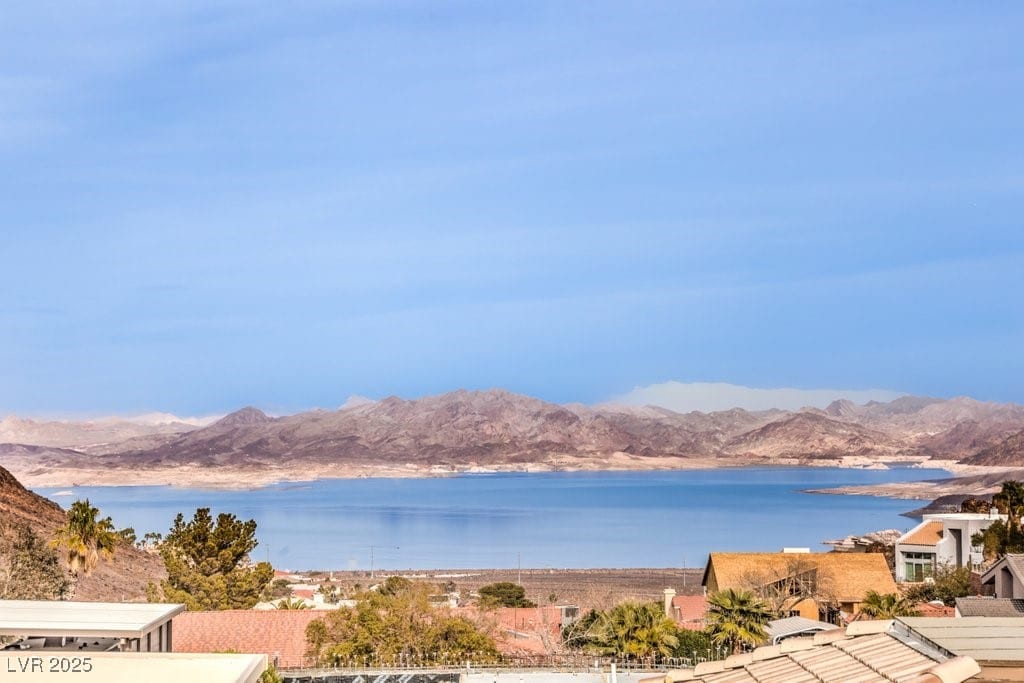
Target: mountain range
x=483 y=430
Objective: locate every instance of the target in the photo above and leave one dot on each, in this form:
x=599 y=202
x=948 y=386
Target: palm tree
x=887 y=606
x=85 y=537
x=289 y=603
x=634 y=630
x=737 y=619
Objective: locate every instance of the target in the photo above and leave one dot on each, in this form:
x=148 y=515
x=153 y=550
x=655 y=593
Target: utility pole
x=519 y=571
x=372 y=547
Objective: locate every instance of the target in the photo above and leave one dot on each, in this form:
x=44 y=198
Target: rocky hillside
x=807 y=435
x=122 y=578
x=1007 y=453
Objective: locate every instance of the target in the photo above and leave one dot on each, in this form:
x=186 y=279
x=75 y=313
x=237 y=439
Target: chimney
x=669 y=594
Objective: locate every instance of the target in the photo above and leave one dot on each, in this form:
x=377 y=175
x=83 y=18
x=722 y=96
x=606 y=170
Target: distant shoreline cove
x=232 y=479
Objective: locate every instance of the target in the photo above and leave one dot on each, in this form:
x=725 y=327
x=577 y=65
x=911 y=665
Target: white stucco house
x=941 y=539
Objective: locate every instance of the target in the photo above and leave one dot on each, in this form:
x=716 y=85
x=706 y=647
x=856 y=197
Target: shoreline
x=32 y=475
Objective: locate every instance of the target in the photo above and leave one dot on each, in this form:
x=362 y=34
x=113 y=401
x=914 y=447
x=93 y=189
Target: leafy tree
x=949 y=582
x=29 y=568
x=394 y=585
x=694 y=645
x=1002 y=537
x=737 y=619
x=504 y=594
x=887 y=606
x=1010 y=501
x=127 y=535
x=393 y=625
x=276 y=589
x=888 y=550
x=331 y=593
x=85 y=538
x=975 y=505
x=271 y=676
x=208 y=566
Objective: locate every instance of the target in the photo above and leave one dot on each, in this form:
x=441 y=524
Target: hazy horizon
x=682 y=397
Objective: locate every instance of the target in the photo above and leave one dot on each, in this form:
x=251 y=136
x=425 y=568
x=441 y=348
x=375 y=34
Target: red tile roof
x=689 y=609
x=279 y=634
x=928 y=609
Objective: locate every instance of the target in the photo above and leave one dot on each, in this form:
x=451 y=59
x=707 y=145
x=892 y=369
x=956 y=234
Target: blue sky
x=210 y=204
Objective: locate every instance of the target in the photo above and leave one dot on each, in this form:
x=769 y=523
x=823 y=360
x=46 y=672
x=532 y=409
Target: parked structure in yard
x=88 y=626
x=941 y=539
x=1005 y=578
x=826 y=587
x=863 y=651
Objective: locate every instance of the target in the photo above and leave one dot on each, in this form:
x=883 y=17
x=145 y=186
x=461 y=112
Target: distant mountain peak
x=356 y=401
x=246 y=416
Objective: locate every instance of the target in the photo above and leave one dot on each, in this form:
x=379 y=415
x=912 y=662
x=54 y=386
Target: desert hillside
x=121 y=578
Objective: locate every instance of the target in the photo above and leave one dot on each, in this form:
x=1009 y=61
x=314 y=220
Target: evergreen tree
x=208 y=566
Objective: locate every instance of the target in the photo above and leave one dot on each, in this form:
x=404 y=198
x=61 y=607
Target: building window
x=918 y=566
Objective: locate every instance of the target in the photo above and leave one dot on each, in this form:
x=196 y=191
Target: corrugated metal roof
x=981 y=638
x=791 y=626
x=101 y=619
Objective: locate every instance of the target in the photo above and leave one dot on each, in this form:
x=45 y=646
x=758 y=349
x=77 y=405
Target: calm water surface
x=600 y=519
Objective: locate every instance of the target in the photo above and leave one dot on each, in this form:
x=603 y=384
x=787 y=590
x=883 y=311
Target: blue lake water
x=570 y=520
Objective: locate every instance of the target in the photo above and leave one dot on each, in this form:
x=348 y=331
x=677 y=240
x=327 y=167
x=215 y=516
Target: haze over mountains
x=497 y=430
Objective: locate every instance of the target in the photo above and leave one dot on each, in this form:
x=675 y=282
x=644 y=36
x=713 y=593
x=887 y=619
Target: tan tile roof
x=279 y=634
x=851 y=574
x=925 y=533
x=867 y=652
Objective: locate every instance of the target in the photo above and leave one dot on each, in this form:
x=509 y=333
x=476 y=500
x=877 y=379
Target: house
x=278 y=634
x=941 y=539
x=688 y=611
x=997 y=645
x=88 y=626
x=862 y=544
x=819 y=586
x=863 y=651
x=1005 y=579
